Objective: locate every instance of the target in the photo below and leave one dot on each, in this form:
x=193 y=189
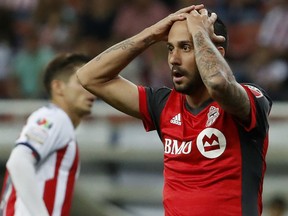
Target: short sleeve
x=46 y=132
x=260 y=104
x=144 y=110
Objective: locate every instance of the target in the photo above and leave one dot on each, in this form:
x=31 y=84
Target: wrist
x=149 y=37
x=198 y=29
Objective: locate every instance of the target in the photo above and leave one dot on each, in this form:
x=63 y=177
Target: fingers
x=213 y=17
x=199 y=7
x=185 y=10
x=218 y=38
x=189 y=9
x=203 y=12
x=203 y=15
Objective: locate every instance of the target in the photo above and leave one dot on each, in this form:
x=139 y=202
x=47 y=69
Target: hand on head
x=161 y=29
x=202 y=19
x=197 y=17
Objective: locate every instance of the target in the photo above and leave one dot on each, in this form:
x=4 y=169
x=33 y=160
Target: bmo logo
x=211 y=143
x=174 y=147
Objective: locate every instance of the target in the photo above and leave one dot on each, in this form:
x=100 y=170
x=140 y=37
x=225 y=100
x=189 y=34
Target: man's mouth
x=177 y=74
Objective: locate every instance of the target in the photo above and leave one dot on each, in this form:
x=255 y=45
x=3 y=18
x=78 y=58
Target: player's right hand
x=161 y=29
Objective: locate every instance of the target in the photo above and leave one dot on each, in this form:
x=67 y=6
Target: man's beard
x=192 y=84
x=188 y=88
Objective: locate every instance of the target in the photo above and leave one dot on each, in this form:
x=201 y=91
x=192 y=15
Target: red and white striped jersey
x=50 y=134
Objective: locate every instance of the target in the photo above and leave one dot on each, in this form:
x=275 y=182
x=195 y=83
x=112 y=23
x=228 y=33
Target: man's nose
x=174 y=57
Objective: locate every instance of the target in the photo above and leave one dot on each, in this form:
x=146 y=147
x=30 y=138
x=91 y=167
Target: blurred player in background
x=44 y=164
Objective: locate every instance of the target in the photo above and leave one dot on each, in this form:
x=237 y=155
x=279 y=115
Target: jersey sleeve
x=144 y=110
x=44 y=133
x=151 y=103
x=260 y=104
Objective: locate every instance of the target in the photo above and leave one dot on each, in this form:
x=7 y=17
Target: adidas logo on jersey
x=176 y=119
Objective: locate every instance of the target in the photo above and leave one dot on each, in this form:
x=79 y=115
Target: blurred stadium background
x=121 y=172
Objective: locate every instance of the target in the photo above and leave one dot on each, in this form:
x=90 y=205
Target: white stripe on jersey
x=63 y=178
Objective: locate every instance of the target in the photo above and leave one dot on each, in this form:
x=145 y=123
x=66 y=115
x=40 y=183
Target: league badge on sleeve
x=45 y=123
x=255 y=91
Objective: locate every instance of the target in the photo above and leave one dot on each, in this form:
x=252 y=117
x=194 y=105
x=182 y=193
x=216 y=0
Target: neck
x=196 y=100
x=75 y=119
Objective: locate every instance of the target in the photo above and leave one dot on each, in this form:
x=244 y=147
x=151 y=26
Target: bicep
x=121 y=94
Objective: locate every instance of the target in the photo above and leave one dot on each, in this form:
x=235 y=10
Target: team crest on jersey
x=45 y=123
x=255 y=91
x=212 y=115
x=211 y=143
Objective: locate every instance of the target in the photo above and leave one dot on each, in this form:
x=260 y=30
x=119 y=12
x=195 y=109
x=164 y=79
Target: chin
x=187 y=91
x=84 y=112
x=87 y=112
x=180 y=88
x=184 y=89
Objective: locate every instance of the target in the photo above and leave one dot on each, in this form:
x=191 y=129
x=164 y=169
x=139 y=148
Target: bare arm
x=213 y=68
x=101 y=75
x=22 y=171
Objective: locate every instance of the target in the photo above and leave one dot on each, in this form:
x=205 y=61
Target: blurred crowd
x=33 y=31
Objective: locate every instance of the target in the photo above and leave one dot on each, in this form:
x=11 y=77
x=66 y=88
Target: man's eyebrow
x=181 y=42
x=185 y=42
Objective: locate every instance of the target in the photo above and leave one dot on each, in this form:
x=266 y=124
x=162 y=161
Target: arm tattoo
x=125 y=45
x=210 y=66
x=148 y=41
x=129 y=45
x=208 y=61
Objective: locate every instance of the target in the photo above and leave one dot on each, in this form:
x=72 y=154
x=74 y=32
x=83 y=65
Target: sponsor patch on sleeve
x=257 y=92
x=36 y=134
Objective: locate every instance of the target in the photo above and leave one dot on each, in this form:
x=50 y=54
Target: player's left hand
x=200 y=20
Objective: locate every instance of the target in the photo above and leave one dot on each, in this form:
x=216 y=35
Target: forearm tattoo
x=211 y=66
x=129 y=45
x=148 y=41
x=124 y=45
x=208 y=61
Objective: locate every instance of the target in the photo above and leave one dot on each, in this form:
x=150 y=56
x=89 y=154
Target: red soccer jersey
x=213 y=165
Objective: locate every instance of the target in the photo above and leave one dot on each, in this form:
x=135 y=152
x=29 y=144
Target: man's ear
x=221 y=50
x=57 y=87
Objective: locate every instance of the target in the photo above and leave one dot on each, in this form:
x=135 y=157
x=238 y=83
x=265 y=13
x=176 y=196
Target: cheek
x=73 y=92
x=76 y=88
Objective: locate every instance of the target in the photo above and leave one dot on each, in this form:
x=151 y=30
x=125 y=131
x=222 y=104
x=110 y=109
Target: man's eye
x=170 y=48
x=186 y=47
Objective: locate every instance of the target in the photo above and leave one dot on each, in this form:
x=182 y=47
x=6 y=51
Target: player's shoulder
x=158 y=92
x=255 y=89
x=50 y=113
x=260 y=94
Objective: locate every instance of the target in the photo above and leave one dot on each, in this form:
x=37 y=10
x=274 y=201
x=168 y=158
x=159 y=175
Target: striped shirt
x=50 y=135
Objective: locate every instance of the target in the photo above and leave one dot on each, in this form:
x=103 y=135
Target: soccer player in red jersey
x=214 y=130
x=44 y=164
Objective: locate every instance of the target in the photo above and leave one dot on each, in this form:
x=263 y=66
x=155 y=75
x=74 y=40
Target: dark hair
x=220 y=29
x=62 y=67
